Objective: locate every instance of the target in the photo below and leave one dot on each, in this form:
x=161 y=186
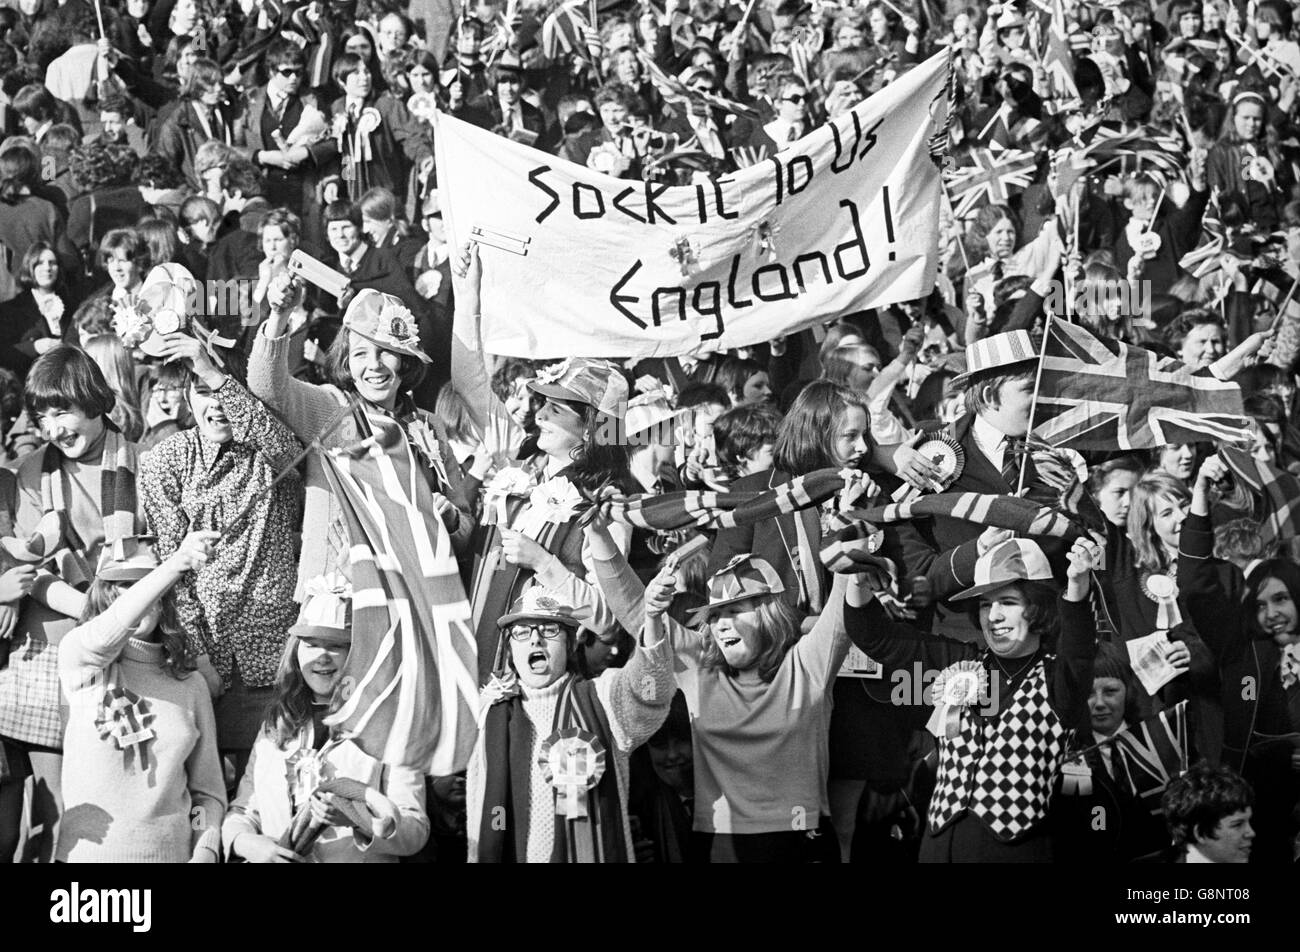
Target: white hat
x=997 y=352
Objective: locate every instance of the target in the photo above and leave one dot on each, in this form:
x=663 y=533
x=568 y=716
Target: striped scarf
x=850 y=541
x=507 y=745
x=117 y=501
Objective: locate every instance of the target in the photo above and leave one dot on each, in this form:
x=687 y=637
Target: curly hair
x=1197 y=802
x=100 y=164
x=154 y=171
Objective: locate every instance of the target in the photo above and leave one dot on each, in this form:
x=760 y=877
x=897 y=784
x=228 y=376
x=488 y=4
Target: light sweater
x=761 y=749
x=157 y=802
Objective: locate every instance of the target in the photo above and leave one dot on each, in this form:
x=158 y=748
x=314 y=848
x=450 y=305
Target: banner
x=576 y=263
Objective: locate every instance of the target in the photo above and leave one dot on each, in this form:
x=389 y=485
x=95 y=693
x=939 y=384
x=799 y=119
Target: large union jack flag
x=1095 y=394
x=412 y=693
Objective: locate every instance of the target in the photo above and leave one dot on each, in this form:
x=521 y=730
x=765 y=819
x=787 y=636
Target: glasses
x=289 y=71
x=550 y=632
x=796 y=98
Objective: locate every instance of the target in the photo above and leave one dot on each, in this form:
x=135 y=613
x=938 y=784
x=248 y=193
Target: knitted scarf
x=503 y=833
x=849 y=544
x=117 y=501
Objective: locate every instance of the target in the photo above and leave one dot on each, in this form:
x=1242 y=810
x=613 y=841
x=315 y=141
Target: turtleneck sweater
x=539 y=705
x=156 y=801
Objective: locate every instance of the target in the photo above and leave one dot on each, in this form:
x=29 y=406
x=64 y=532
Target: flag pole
x=1033 y=403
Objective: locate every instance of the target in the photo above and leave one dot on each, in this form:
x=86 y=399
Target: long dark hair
x=597 y=462
x=178 y=661
x=1286 y=572
x=804 y=442
x=292 y=700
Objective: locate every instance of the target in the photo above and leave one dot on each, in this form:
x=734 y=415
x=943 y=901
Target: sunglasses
x=525 y=632
x=289 y=71
x=796 y=98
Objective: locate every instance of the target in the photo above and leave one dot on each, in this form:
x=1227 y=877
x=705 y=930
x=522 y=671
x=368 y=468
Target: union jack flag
x=1095 y=394
x=675 y=91
x=1154 y=753
x=992 y=177
x=413 y=664
x=1279 y=489
x=1058 y=61
x=564 y=32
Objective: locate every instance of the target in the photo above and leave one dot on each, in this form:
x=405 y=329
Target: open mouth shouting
x=538 y=661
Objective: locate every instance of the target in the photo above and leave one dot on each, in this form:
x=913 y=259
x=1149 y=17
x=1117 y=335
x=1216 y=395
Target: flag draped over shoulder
x=1154 y=753
x=1280 y=490
x=410 y=679
x=1095 y=394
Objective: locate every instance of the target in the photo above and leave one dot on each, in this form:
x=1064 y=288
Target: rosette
x=958 y=687
x=572 y=761
x=1163 y=590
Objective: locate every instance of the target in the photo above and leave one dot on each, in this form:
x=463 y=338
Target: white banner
x=576 y=263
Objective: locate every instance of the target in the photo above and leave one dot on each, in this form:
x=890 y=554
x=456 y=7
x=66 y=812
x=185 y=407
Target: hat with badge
x=538 y=604
x=597 y=383
x=326 y=615
x=386 y=322
x=745 y=576
x=127 y=559
x=1000 y=352
x=1016 y=560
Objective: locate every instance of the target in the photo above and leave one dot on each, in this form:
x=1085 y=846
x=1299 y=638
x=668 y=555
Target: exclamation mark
x=889 y=223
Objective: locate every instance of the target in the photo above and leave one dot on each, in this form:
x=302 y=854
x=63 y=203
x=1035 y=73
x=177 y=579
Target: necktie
x=1011 y=450
x=278 y=106
x=999 y=270
x=794 y=134
x=1118 y=771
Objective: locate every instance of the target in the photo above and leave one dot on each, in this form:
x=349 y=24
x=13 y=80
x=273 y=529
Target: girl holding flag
x=306 y=789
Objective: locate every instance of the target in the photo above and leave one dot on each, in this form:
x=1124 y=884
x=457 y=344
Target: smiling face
x=344 y=237
x=375 y=229
x=519 y=400
x=123 y=270
x=1203 y=345
x=734 y=628
x=1106 y=705
x=849 y=443
x=114 y=126
x=1189 y=24
x=559 y=430
x=1116 y=494
x=1005 y=623
x=375 y=371
x=1168 y=518
x=612 y=116
x=1002 y=239
x=1178 y=459
x=1231 y=841
x=539 y=651
x=321 y=666
x=1276 y=612
x=72 y=432
x=209 y=415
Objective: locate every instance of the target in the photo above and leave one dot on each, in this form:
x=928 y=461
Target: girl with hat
x=1003 y=709
x=548 y=780
x=300 y=774
x=759 y=699
x=376 y=360
x=83 y=484
x=533 y=511
x=143 y=779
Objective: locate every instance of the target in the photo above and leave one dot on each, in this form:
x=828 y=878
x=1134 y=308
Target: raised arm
x=93 y=646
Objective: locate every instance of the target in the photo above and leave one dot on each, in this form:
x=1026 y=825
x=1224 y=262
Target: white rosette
x=554 y=502
x=958 y=687
x=1163 y=590
x=511 y=481
x=52 y=311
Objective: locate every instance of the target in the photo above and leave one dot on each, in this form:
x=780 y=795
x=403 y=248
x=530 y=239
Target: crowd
x=176 y=600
